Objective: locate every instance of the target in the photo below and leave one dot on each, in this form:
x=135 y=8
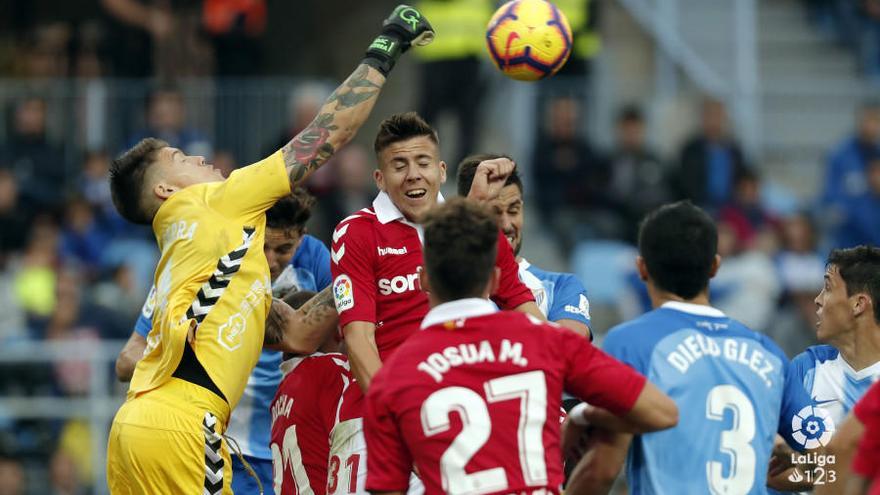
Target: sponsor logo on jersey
x=343 y=293
x=583 y=307
x=398 y=284
x=229 y=334
x=812 y=427
x=385 y=251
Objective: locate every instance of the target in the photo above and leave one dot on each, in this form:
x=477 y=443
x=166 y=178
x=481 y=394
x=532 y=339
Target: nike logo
x=822 y=402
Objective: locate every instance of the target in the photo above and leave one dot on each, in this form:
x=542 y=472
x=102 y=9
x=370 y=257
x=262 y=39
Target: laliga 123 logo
x=812 y=427
x=343 y=293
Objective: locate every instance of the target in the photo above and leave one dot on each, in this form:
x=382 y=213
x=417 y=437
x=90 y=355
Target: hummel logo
x=338 y=233
x=383 y=251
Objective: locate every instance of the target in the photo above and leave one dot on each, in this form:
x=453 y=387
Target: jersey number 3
x=735 y=442
x=530 y=389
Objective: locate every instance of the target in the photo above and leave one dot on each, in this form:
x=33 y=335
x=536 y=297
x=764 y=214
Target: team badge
x=343 y=293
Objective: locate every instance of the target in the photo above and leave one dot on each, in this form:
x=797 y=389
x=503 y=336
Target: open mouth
x=416 y=193
x=510 y=238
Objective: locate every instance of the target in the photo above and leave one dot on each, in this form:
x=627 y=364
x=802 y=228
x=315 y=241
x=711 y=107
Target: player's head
x=850 y=294
x=149 y=173
x=509 y=204
x=285 y=228
x=410 y=170
x=461 y=241
x=678 y=246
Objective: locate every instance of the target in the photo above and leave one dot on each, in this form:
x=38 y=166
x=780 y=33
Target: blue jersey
x=250 y=423
x=734 y=389
x=831 y=381
x=559 y=296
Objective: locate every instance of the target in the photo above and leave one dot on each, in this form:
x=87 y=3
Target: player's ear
x=442 y=172
x=423 y=280
x=163 y=190
x=642 y=268
x=379 y=178
x=716 y=264
x=861 y=304
x=494 y=281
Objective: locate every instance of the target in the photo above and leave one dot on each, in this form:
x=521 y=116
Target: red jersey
x=376 y=255
x=473 y=400
x=304 y=413
x=866 y=462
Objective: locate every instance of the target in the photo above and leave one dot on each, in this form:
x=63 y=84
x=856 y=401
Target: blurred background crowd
x=632 y=121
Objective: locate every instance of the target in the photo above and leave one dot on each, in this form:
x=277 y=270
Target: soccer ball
x=529 y=39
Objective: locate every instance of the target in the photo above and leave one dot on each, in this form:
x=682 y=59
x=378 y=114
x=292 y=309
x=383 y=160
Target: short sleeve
x=352 y=267
x=144 y=323
x=794 y=398
x=389 y=462
x=618 y=346
x=253 y=189
x=570 y=301
x=598 y=378
x=511 y=292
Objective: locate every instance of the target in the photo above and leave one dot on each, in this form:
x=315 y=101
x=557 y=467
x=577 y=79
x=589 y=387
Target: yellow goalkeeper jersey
x=213 y=274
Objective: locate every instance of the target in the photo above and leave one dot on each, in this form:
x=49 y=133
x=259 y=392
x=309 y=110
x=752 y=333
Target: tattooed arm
x=336 y=124
x=301 y=331
x=350 y=105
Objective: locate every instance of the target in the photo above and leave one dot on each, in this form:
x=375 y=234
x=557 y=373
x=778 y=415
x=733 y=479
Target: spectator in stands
x=63 y=475
x=13 y=219
x=224 y=161
x=638 y=178
x=37 y=163
x=845 y=173
x=745 y=213
x=11 y=476
x=710 y=160
x=82 y=239
x=117 y=292
x=235 y=27
x=166 y=120
x=352 y=188
x=860 y=222
x=34 y=281
x=746 y=287
x=800 y=269
x=569 y=173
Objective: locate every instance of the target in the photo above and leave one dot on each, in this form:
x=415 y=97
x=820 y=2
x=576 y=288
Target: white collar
x=523 y=264
x=387 y=211
x=694 y=309
x=458 y=309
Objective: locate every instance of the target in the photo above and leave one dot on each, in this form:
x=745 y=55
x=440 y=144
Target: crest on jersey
x=812 y=427
x=343 y=293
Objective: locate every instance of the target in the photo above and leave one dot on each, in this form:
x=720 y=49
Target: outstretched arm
x=301 y=331
x=346 y=110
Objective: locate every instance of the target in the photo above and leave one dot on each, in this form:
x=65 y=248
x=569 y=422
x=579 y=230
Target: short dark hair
x=291 y=211
x=467 y=169
x=859 y=267
x=630 y=113
x=127 y=174
x=400 y=127
x=461 y=243
x=295 y=299
x=679 y=242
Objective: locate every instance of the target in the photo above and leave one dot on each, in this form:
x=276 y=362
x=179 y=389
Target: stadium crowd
x=71 y=269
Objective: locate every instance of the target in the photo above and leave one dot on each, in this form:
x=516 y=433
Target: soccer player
x=839 y=371
x=866 y=464
x=733 y=386
x=473 y=399
x=377 y=252
x=318 y=443
x=560 y=296
x=297 y=262
x=212 y=283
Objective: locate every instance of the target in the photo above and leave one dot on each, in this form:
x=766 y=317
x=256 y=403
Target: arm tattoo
x=345 y=96
x=309 y=149
x=275 y=324
x=319 y=308
x=333 y=127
